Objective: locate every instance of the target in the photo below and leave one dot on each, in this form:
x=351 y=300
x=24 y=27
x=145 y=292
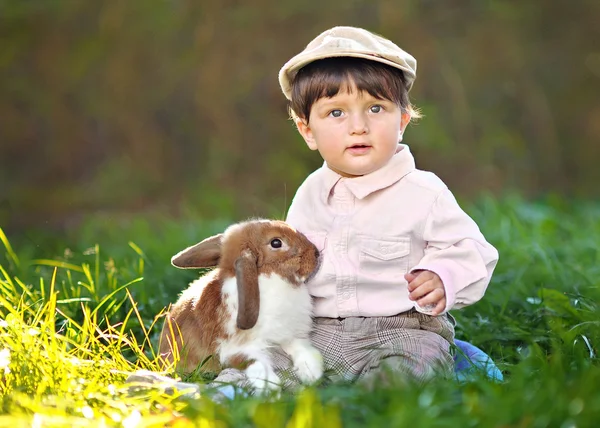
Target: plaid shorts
x=410 y=343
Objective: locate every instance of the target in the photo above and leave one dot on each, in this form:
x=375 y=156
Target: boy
x=397 y=251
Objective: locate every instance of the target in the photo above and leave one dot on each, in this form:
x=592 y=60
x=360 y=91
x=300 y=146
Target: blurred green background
x=131 y=108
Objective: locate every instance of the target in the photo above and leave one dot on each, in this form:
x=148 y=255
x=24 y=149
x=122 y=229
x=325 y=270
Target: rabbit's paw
x=308 y=364
x=262 y=377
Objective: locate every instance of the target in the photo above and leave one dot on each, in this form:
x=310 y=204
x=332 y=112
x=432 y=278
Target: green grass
x=81 y=311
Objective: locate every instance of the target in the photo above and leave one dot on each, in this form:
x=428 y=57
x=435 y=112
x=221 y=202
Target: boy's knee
x=400 y=370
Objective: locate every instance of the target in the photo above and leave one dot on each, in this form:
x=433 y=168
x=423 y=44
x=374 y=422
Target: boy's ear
x=404 y=121
x=306 y=132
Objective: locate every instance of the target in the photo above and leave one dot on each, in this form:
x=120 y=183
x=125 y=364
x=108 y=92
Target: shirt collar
x=399 y=165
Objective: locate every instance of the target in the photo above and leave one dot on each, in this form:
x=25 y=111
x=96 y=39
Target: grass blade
x=11 y=254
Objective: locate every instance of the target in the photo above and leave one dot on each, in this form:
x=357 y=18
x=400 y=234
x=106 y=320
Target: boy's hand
x=427 y=289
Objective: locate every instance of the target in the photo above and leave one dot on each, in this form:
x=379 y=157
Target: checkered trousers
x=410 y=343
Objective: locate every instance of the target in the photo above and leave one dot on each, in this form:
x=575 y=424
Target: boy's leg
x=330 y=338
x=411 y=345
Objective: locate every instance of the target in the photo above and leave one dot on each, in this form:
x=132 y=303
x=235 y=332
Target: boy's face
x=354 y=132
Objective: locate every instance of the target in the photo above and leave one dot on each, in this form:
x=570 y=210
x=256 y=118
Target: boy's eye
x=335 y=113
x=375 y=109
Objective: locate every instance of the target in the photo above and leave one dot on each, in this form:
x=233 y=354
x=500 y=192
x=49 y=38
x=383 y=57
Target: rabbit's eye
x=276 y=243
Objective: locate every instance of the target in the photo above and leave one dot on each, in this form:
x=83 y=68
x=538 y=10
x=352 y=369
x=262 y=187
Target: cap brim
x=289 y=70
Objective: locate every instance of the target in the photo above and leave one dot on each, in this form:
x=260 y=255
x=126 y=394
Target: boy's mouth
x=359 y=148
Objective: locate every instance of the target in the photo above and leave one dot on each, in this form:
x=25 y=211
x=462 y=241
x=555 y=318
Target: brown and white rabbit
x=255 y=299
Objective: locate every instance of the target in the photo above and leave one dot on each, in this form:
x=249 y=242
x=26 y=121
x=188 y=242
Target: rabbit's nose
x=317 y=253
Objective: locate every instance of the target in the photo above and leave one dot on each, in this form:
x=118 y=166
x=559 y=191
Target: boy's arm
x=457 y=252
x=296 y=215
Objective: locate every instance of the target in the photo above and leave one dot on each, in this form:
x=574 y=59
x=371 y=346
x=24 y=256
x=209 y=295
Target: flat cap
x=349 y=42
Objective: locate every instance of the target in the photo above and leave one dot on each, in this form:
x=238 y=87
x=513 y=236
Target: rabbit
x=255 y=299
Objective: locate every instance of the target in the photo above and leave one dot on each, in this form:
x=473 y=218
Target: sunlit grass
x=74 y=325
x=55 y=367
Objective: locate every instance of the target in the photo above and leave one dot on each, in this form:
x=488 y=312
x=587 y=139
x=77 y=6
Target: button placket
x=343 y=203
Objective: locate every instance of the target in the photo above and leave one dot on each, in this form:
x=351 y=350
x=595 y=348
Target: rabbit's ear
x=246 y=275
x=204 y=254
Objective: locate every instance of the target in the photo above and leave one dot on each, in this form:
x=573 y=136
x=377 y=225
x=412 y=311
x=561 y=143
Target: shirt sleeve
x=296 y=213
x=457 y=252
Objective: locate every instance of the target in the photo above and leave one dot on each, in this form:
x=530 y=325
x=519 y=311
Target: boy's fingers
x=416 y=295
x=411 y=277
x=416 y=280
x=439 y=308
x=431 y=298
x=420 y=290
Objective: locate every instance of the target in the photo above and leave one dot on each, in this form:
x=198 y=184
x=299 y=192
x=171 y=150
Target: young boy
x=397 y=251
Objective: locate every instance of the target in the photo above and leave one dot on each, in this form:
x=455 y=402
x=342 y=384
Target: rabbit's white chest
x=284 y=320
x=285 y=311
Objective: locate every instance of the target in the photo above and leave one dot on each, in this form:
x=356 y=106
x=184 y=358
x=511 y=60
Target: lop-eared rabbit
x=253 y=301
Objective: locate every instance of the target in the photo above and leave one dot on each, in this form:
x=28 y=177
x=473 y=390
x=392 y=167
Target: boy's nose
x=358 y=124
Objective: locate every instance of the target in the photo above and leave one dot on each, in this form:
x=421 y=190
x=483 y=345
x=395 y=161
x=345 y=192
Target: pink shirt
x=373 y=229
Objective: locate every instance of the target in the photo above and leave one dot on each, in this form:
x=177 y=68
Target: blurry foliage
x=137 y=105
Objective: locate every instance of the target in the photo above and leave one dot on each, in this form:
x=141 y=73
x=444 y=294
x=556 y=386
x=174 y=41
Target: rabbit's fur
x=255 y=299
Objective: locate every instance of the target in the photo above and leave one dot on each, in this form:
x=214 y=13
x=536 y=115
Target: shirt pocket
x=384 y=256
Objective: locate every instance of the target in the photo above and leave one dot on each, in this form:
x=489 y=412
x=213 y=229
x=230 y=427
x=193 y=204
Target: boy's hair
x=326 y=77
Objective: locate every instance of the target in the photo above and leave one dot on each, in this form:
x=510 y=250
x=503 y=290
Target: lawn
x=79 y=311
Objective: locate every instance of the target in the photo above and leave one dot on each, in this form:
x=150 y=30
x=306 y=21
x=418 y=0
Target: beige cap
x=352 y=42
